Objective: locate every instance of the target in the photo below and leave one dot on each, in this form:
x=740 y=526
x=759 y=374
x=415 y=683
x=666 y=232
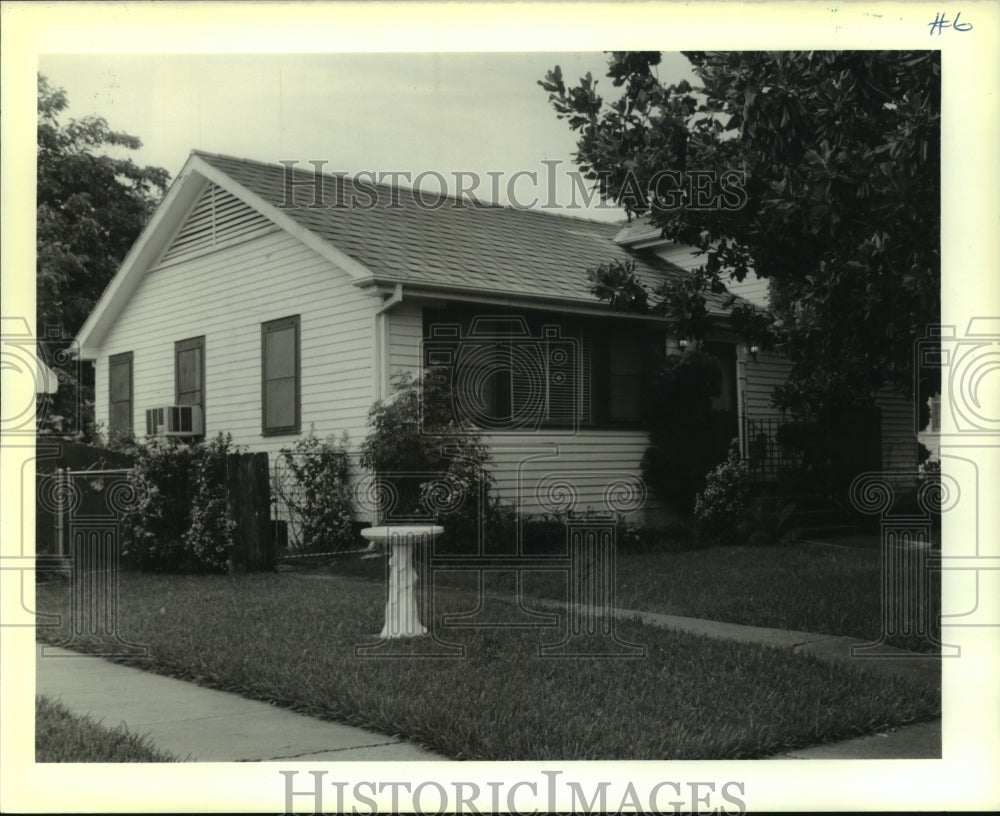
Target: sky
x=396 y=112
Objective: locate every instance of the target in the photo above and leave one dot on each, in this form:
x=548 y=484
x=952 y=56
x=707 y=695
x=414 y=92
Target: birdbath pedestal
x=401 y=616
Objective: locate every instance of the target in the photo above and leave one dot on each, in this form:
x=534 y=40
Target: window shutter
x=280 y=376
x=191 y=371
x=120 y=392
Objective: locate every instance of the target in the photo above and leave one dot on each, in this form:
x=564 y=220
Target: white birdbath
x=401 y=617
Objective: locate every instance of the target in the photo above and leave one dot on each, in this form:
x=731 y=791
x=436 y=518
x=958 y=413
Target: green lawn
x=61 y=736
x=808 y=587
x=290 y=639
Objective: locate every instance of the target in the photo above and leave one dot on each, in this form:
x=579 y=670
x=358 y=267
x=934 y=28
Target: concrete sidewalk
x=204 y=725
x=825 y=647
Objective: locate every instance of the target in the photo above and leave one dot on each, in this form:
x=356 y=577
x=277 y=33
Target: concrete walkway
x=200 y=724
x=204 y=725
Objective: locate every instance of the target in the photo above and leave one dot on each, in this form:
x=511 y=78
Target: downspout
x=381 y=367
x=741 y=387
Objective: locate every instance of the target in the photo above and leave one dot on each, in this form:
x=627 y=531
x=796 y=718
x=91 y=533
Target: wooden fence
x=73 y=488
x=248 y=500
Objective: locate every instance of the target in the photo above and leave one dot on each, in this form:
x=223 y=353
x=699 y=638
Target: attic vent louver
x=218 y=218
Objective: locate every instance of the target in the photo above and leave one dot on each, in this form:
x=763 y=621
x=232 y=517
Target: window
x=120 y=392
x=280 y=410
x=510 y=371
x=189 y=373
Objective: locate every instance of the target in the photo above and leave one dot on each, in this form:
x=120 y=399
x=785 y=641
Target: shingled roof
x=458 y=245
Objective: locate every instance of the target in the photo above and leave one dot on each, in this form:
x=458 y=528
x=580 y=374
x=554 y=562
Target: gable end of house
x=218 y=220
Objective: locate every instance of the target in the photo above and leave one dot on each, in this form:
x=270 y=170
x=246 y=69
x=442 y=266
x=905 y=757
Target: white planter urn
x=401 y=616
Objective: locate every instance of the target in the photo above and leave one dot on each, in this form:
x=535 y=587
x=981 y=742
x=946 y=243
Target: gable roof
x=388 y=235
x=460 y=244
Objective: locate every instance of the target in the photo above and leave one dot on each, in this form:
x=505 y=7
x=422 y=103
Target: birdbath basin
x=401 y=617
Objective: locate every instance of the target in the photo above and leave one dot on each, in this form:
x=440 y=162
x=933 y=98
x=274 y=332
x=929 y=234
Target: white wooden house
x=277 y=303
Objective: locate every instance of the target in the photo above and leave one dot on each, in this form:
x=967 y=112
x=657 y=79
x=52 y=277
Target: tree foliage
x=91 y=206
x=837 y=157
x=686 y=437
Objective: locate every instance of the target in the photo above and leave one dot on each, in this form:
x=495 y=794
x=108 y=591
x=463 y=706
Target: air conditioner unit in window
x=175 y=420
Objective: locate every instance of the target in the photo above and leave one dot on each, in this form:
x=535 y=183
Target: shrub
x=415 y=431
x=929 y=489
x=209 y=537
x=312 y=481
x=722 y=507
x=179 y=521
x=153 y=527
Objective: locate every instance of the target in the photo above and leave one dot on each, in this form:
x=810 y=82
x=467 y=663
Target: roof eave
x=167 y=218
x=593 y=307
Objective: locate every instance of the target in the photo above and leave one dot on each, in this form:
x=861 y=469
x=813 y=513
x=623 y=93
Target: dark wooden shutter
x=280 y=381
x=120 y=392
x=190 y=371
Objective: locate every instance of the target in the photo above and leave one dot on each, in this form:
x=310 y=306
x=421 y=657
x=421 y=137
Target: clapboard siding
x=899 y=438
x=226 y=295
x=406 y=328
x=583 y=467
x=683 y=256
x=899 y=441
x=750 y=288
x=762 y=375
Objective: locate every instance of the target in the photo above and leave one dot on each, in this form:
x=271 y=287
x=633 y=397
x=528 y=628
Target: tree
x=819 y=171
x=91 y=207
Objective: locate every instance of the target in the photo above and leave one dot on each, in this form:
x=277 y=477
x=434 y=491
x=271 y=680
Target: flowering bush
x=179 y=521
x=722 y=507
x=312 y=482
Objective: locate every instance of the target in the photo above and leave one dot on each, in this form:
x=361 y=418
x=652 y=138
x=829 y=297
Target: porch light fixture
x=683 y=343
x=753 y=348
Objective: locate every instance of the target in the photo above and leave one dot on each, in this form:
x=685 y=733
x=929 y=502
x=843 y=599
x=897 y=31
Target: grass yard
x=61 y=736
x=804 y=586
x=290 y=639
